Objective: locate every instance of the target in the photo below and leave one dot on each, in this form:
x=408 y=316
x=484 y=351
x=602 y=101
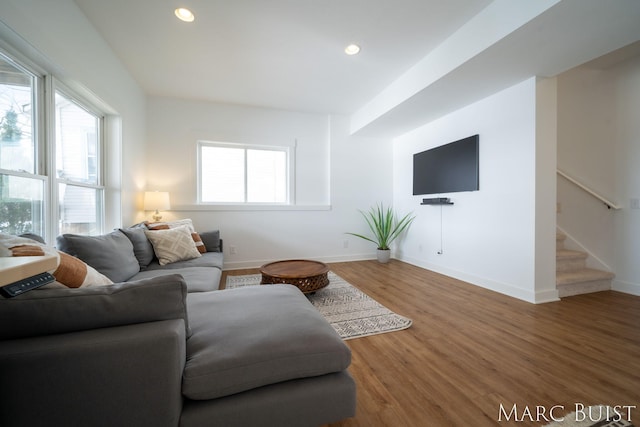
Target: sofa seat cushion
x=250 y=337
x=208 y=259
x=198 y=279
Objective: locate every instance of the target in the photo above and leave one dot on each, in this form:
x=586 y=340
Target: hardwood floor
x=471 y=350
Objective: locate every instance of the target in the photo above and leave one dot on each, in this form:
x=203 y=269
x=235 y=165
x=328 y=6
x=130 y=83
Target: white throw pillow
x=173 y=244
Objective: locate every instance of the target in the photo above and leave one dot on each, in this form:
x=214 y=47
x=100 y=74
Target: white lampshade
x=156 y=201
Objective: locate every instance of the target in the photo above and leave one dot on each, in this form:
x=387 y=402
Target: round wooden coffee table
x=308 y=276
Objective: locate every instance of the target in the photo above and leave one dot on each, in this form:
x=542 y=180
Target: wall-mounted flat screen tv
x=448 y=168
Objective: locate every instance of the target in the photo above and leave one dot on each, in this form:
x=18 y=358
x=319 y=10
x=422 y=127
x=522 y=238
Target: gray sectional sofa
x=127 y=255
x=164 y=347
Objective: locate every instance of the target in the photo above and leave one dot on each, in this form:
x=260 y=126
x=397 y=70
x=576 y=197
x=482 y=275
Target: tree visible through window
x=234 y=173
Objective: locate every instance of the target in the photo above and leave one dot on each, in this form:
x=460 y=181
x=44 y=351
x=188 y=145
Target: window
x=22 y=188
x=237 y=173
x=77 y=172
x=47 y=186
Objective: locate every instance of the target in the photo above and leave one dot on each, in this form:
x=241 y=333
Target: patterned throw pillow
x=170 y=224
x=178 y=223
x=70 y=272
x=173 y=244
x=199 y=243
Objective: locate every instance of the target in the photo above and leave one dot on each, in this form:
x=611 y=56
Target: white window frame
x=38 y=99
x=58 y=87
x=290 y=171
x=44 y=90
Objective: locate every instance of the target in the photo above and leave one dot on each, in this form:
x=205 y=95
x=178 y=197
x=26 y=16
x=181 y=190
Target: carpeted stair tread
x=570 y=254
x=582 y=275
x=560 y=238
x=572 y=275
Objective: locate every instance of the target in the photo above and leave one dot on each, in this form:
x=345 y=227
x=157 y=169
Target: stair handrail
x=607 y=202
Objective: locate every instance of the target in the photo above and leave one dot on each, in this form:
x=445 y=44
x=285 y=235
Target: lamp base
x=156 y=217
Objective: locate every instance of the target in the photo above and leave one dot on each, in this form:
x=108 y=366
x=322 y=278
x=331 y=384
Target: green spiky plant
x=385 y=225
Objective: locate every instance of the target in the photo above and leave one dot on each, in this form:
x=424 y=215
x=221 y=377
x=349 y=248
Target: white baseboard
x=626 y=287
x=492 y=285
x=505 y=289
x=239 y=265
x=550 y=295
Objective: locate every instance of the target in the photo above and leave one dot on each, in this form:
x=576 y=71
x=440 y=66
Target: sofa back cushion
x=111 y=254
x=70 y=271
x=211 y=240
x=142 y=248
x=57 y=311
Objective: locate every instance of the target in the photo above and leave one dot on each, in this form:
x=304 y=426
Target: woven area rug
x=351 y=312
x=594 y=416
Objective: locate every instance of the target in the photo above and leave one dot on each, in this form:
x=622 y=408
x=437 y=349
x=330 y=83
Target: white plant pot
x=384 y=255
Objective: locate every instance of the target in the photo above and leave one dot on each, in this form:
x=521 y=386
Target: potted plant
x=386 y=227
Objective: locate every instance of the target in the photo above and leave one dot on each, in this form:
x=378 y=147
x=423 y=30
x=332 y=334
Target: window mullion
x=48 y=142
x=246 y=177
x=79 y=184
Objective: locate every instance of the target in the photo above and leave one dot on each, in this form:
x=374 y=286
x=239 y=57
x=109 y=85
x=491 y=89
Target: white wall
x=627 y=223
x=546 y=185
x=599 y=144
x=58 y=36
x=335 y=176
x=488 y=236
x=176 y=125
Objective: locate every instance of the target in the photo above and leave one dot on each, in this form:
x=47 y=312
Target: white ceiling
x=285 y=54
x=289 y=54
x=566 y=34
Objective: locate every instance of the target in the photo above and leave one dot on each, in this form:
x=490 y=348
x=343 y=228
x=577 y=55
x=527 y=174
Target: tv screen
x=449 y=168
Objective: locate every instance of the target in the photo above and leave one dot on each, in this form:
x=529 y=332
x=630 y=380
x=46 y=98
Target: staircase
x=572 y=275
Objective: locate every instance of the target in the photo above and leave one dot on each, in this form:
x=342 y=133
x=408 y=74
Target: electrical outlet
x=634 y=203
x=233 y=250
x=345 y=243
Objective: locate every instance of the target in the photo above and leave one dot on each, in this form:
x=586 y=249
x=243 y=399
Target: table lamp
x=156 y=201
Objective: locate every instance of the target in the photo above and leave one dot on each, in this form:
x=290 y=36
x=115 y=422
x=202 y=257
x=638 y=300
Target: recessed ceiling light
x=352 y=49
x=184 y=14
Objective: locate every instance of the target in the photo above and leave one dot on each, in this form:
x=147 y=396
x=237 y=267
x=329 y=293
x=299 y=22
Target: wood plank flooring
x=471 y=350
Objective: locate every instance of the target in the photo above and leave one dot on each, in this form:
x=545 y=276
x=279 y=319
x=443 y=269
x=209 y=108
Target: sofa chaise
x=164 y=347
